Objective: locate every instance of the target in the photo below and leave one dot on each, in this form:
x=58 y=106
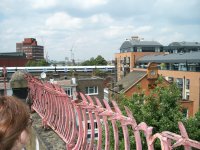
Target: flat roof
x=12 y=54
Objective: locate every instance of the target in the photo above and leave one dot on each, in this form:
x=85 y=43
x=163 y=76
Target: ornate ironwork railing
x=69 y=119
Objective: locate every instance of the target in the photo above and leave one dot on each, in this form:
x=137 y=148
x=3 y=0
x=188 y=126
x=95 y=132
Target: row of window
x=92 y=90
x=141 y=49
x=182 y=87
x=179 y=82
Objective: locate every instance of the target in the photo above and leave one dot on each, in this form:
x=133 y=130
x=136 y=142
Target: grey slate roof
x=132 y=43
x=185 y=44
x=129 y=80
x=191 y=57
x=145 y=43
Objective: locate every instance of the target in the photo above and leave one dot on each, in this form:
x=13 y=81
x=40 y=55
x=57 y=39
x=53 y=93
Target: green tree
x=160 y=109
x=192 y=126
x=99 y=60
x=31 y=63
x=42 y=62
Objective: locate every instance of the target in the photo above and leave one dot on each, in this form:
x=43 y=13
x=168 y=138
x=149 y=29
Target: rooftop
x=185 y=44
x=13 y=54
x=131 y=79
x=191 y=57
x=132 y=43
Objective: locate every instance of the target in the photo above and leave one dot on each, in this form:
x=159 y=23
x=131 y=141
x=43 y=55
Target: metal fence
x=69 y=119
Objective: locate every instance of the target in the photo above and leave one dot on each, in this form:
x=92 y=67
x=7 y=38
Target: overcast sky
x=96 y=27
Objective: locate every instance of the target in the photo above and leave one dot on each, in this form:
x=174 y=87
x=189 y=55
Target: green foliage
x=160 y=110
x=192 y=126
x=99 y=73
x=42 y=62
x=99 y=60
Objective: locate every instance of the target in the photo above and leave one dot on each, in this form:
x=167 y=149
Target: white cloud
x=96 y=26
x=143 y=29
x=165 y=30
x=101 y=18
x=39 y=4
x=62 y=20
x=117 y=31
x=86 y=4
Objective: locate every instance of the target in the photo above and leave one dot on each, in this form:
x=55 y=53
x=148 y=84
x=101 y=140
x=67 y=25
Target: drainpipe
x=199 y=93
x=184 y=88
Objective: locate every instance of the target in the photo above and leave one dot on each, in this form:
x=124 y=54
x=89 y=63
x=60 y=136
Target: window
x=187 y=84
x=68 y=91
x=139 y=49
x=157 y=49
x=91 y=90
x=96 y=135
x=89 y=127
x=89 y=136
x=187 y=96
x=179 y=82
x=185 y=112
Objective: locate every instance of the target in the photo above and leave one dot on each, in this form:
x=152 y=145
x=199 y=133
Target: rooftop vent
x=135 y=38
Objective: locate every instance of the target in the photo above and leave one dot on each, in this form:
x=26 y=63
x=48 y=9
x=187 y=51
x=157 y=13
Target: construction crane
x=72 y=55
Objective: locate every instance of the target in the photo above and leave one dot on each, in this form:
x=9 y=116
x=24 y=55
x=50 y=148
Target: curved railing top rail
x=73 y=121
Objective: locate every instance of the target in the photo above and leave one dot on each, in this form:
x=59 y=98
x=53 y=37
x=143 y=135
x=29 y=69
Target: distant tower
x=31 y=49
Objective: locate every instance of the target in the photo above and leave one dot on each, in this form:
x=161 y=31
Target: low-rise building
x=13 y=59
x=145 y=78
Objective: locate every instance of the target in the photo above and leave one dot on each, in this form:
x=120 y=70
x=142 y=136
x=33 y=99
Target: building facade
x=92 y=86
x=182 y=47
x=178 y=62
x=30 y=47
x=13 y=59
x=131 y=50
x=135 y=44
x=184 y=70
x=145 y=78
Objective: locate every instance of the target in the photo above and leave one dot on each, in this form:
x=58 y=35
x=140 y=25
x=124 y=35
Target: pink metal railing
x=69 y=119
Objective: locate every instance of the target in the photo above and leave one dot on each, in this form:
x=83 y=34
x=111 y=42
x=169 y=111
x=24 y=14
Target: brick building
x=13 y=59
x=183 y=69
x=30 y=47
x=178 y=62
x=92 y=86
x=145 y=78
x=131 y=50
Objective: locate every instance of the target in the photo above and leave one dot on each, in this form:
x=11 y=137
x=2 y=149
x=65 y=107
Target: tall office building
x=30 y=47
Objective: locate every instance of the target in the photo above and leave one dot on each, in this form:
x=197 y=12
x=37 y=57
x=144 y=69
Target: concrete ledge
x=44 y=139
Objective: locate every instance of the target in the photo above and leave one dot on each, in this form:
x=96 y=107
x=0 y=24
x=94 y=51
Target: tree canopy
x=42 y=62
x=161 y=110
x=99 y=60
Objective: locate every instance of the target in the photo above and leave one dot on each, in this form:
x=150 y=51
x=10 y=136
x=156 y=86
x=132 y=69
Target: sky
x=82 y=29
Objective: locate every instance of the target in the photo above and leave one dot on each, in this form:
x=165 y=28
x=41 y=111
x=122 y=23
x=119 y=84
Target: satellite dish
x=43 y=75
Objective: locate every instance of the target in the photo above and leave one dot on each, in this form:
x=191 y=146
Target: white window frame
x=94 y=88
x=68 y=89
